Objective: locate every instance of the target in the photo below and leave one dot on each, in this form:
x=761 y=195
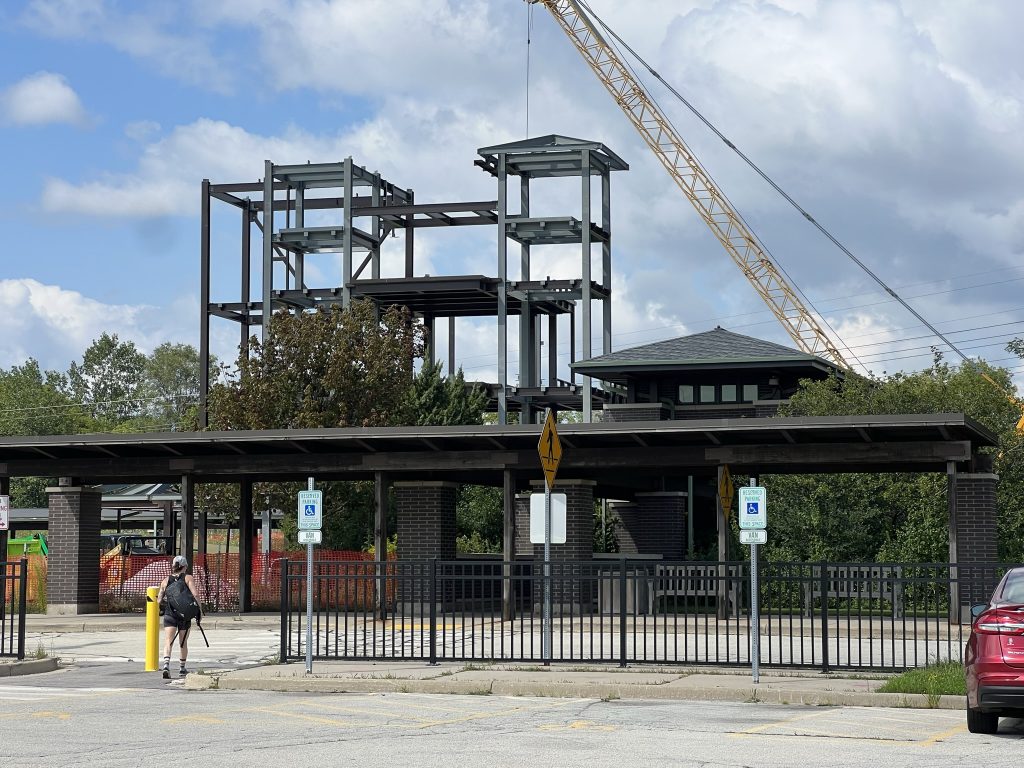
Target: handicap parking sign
x=753 y=509
x=310 y=510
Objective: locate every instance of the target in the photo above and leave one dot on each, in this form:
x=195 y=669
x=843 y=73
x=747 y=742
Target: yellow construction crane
x=716 y=210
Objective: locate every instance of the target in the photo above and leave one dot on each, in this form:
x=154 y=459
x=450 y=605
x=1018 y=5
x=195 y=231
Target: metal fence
x=12 y=607
x=830 y=616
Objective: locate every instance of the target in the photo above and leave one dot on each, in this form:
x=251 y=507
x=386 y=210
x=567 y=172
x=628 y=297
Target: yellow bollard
x=152 y=629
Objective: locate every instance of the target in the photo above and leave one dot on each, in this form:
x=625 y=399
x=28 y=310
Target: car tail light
x=1000 y=622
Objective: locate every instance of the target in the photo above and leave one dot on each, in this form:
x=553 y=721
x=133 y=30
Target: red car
x=994 y=657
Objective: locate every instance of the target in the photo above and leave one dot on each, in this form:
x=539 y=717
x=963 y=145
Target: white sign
x=557 y=518
x=311 y=505
x=5 y=512
x=754 y=537
x=753 y=508
x=310 y=537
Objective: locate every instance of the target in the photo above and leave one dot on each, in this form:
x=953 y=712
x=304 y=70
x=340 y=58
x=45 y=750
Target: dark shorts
x=170 y=621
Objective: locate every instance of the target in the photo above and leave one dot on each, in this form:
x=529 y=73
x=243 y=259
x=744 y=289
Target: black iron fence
x=855 y=616
x=12 y=607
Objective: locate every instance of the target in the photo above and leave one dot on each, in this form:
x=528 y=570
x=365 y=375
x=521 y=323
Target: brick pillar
x=629 y=526
x=663 y=524
x=425 y=528
x=73 y=564
x=975 y=543
x=523 y=545
x=567 y=591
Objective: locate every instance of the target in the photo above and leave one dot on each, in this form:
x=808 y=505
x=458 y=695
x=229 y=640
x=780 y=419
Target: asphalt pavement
x=559 y=680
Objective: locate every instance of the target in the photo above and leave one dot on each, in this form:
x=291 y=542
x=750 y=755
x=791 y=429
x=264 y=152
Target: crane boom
x=717 y=212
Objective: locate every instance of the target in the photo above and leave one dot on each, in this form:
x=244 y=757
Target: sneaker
x=181 y=672
x=167 y=674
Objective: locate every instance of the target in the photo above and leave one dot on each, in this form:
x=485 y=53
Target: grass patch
x=946 y=678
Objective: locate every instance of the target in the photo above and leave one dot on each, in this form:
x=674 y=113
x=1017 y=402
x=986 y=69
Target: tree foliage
x=34 y=402
x=109 y=380
x=326 y=368
x=868 y=517
x=435 y=400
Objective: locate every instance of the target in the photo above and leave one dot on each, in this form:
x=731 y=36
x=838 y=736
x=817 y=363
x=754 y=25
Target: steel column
x=380 y=540
x=188 y=523
x=502 y=290
x=268 y=246
x=204 y=304
x=245 y=546
x=585 y=298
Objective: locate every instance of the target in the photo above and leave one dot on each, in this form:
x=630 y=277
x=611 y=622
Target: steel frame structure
x=365 y=208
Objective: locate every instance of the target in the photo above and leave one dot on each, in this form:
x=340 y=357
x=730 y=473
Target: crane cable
x=778 y=189
x=776 y=264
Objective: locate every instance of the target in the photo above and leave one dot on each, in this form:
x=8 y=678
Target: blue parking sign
x=753 y=508
x=310 y=510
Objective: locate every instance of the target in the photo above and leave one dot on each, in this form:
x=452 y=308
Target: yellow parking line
x=758 y=728
x=935 y=739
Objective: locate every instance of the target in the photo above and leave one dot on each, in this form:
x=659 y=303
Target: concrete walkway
x=558 y=680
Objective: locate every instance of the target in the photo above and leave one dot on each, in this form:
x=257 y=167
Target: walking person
x=179 y=605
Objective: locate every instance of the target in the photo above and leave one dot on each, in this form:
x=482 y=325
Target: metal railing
x=830 y=616
x=12 y=607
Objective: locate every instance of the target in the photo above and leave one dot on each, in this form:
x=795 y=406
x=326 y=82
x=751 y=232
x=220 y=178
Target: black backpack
x=181 y=601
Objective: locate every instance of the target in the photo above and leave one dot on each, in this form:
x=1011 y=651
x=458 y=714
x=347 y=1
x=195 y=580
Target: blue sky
x=900 y=125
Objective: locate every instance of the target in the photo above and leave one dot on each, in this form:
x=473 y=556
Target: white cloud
x=147 y=32
x=892 y=121
x=41 y=98
x=56 y=325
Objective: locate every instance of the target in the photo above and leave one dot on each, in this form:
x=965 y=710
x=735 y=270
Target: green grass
x=942 y=679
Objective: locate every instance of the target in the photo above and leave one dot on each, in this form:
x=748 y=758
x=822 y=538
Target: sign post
x=5 y=516
x=550 y=450
x=753 y=519
x=310 y=519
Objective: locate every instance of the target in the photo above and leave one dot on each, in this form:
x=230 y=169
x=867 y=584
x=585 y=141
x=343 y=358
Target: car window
x=1013 y=590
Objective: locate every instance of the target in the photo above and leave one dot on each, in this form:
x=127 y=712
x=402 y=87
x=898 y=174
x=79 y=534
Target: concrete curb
x=590 y=690
x=29 y=667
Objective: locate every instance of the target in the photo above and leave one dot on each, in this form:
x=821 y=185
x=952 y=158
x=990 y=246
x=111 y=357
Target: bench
x=695 y=580
x=849 y=582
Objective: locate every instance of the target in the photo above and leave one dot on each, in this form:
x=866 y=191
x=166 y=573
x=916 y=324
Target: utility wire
x=779 y=189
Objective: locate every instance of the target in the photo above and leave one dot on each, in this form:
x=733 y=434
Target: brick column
x=655 y=524
x=425 y=528
x=975 y=542
x=523 y=545
x=664 y=524
x=73 y=564
x=628 y=531
x=567 y=592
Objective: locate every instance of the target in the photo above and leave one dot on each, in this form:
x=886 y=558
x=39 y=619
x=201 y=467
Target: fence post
x=433 y=611
x=622 y=613
x=824 y=617
x=23 y=596
x=285 y=611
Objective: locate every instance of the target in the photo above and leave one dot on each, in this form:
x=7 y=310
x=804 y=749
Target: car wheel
x=982 y=722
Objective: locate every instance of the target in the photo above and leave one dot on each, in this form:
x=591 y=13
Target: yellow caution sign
x=726 y=491
x=550 y=449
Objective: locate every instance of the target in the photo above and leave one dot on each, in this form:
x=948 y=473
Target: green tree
x=325 y=368
x=435 y=400
x=109 y=380
x=890 y=516
x=34 y=402
x=172 y=384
